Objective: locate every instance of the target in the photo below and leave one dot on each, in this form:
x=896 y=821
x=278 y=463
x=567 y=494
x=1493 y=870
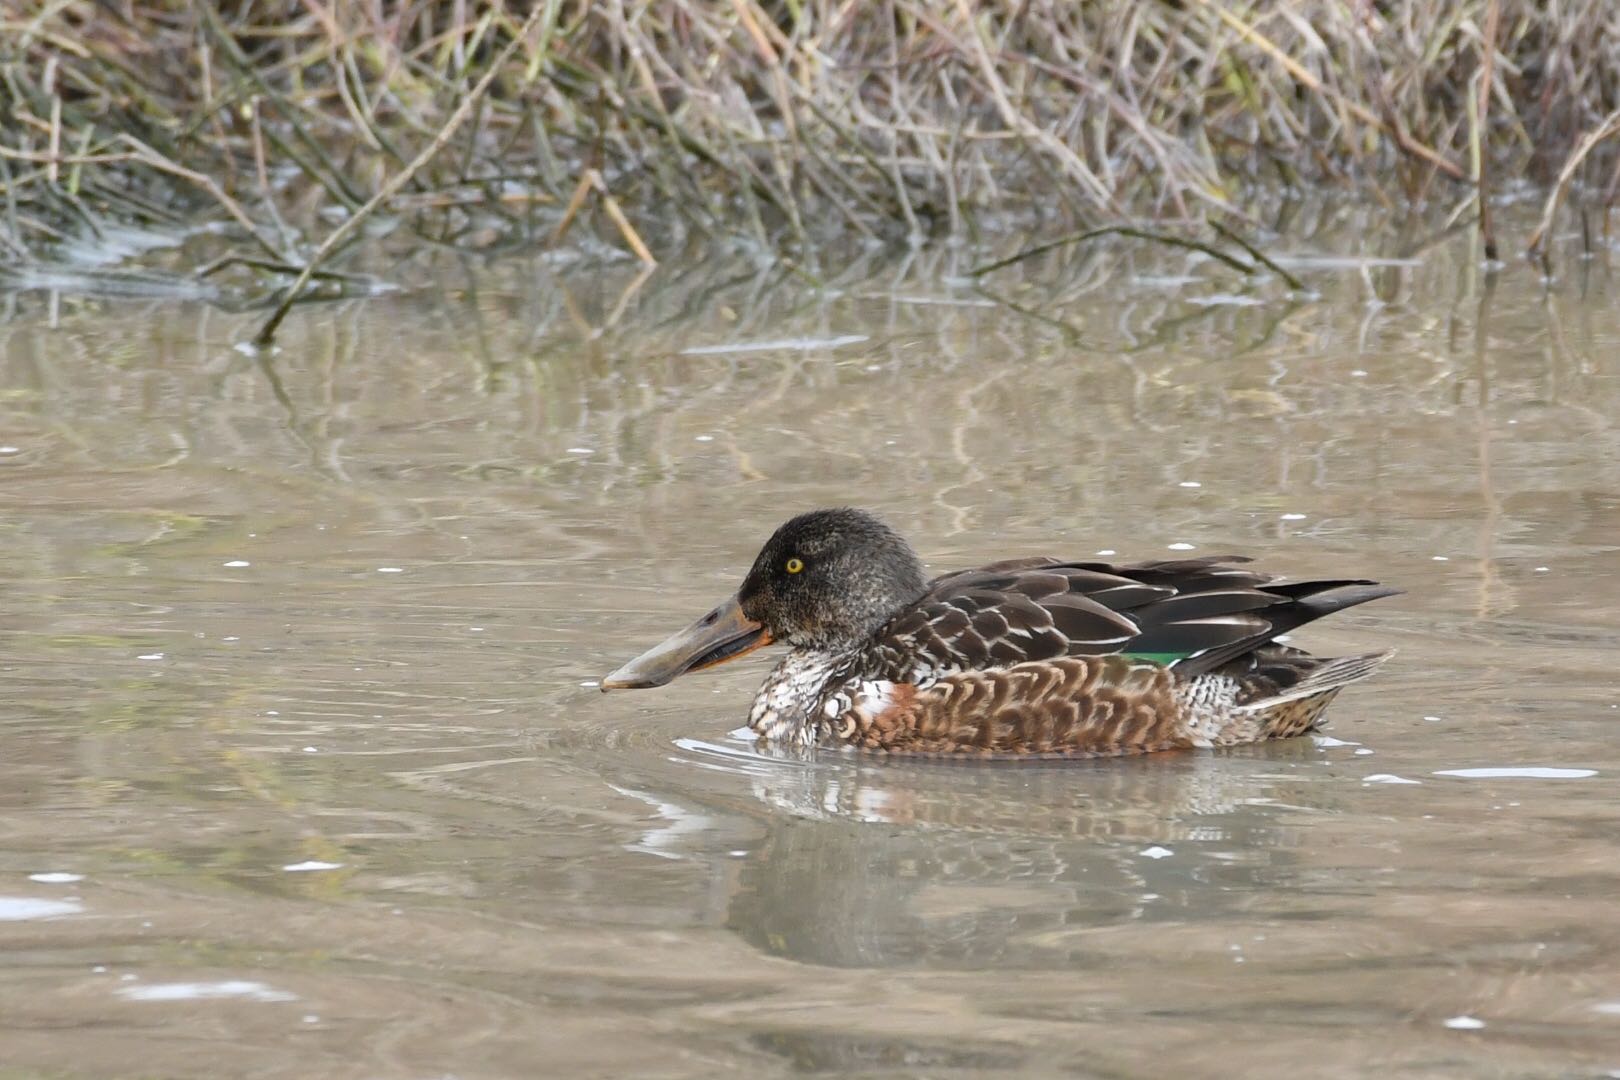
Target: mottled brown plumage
x=1076 y=706
x=1028 y=657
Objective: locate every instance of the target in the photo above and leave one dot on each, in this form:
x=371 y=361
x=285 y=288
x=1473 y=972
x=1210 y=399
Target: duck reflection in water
x=902 y=863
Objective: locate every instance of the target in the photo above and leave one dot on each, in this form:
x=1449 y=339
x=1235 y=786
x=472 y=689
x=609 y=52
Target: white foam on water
x=1328 y=740
x=1293 y=517
x=390 y=569
x=22 y=908
x=1387 y=778
x=312 y=864
x=56 y=877
x=1156 y=852
x=1607 y=1008
x=238 y=562
x=150 y=656
x=1181 y=547
x=1464 y=1023
x=204 y=991
x=1527 y=772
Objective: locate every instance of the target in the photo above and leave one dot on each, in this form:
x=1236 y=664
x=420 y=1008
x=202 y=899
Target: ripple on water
x=204 y=991
x=19 y=908
x=807 y=344
x=1526 y=772
x=741 y=753
x=664 y=840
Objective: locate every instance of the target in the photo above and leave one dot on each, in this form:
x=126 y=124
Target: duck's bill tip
x=655 y=667
x=618 y=681
x=723 y=634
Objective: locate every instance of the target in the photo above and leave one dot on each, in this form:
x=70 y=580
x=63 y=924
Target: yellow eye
x=794 y=565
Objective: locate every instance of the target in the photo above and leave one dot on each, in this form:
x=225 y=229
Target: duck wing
x=1192 y=614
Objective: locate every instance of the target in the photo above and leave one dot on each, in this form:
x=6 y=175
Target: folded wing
x=1193 y=614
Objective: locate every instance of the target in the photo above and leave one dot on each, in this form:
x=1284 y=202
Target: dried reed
x=784 y=122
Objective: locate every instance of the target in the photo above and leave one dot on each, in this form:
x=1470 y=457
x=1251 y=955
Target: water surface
x=305 y=774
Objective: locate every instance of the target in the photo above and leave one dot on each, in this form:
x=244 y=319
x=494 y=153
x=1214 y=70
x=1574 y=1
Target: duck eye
x=794 y=565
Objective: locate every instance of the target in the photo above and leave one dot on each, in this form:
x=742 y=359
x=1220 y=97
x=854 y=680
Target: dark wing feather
x=1207 y=611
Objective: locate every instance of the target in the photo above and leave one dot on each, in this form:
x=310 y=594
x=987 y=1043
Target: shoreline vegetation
x=293 y=128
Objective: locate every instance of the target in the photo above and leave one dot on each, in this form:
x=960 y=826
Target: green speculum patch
x=1165 y=658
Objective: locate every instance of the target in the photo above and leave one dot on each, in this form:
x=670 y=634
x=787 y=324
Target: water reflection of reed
x=487 y=379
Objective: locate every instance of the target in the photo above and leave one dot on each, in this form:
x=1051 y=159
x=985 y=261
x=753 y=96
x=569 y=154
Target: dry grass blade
x=1606 y=130
x=628 y=231
x=1481 y=114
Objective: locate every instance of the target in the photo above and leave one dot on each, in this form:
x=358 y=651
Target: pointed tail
x=1297 y=709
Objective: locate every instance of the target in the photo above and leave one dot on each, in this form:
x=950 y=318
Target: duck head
x=824 y=582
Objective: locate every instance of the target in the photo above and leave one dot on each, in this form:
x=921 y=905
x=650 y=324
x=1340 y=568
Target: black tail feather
x=1308 y=601
x=1334 y=596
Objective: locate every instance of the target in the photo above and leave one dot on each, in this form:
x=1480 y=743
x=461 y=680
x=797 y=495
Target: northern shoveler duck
x=1029 y=657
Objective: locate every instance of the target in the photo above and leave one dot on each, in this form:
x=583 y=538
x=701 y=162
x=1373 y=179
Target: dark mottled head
x=830 y=577
x=826 y=580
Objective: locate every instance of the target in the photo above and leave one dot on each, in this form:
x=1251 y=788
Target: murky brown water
x=294 y=666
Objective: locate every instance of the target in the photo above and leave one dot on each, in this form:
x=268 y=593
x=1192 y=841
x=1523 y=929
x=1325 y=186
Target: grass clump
x=484 y=126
